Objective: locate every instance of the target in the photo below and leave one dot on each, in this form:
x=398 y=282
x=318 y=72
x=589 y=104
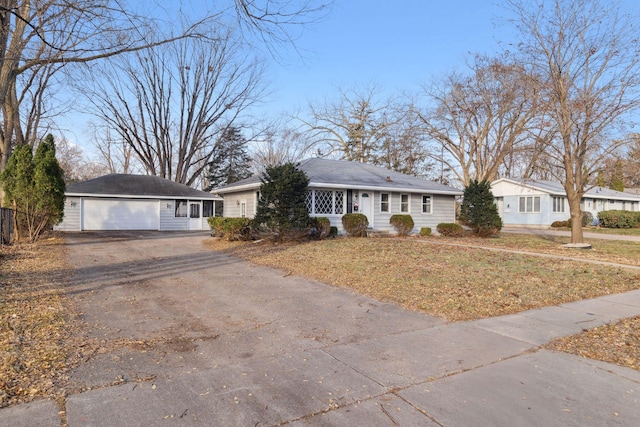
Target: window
x=426 y=204
x=325 y=202
x=384 y=202
x=194 y=210
x=558 y=204
x=207 y=208
x=181 y=208
x=404 y=203
x=529 y=204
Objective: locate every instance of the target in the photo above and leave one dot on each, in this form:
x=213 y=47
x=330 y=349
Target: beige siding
x=233 y=204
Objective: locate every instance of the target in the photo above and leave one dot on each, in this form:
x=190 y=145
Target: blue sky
x=398 y=45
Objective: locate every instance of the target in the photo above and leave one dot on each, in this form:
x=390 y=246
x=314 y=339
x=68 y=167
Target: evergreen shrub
x=355 y=224
x=425 y=231
x=403 y=224
x=231 y=228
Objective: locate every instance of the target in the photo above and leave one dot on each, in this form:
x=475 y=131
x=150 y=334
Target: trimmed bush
x=559 y=224
x=231 y=228
x=450 y=229
x=619 y=219
x=355 y=224
x=333 y=231
x=587 y=219
x=403 y=224
x=319 y=227
x=425 y=231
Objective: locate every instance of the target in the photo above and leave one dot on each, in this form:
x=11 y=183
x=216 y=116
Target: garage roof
x=136 y=186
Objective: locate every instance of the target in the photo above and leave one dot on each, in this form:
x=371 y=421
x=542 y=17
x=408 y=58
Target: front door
x=365 y=207
x=195 y=222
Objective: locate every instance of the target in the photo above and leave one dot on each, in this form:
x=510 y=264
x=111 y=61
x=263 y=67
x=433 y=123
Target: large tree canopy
x=585 y=55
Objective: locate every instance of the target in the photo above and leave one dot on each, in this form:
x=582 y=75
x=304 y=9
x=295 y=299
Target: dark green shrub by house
x=403 y=224
x=282 y=212
x=479 y=211
x=355 y=224
x=319 y=227
x=450 y=229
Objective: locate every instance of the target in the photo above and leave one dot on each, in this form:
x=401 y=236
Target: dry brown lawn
x=459 y=279
x=40 y=336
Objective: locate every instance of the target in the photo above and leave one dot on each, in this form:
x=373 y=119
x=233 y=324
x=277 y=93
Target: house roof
x=136 y=186
x=354 y=175
x=556 y=188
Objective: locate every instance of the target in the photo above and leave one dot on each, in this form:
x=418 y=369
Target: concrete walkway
x=234 y=344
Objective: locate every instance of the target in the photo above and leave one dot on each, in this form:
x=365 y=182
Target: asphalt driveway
x=194 y=337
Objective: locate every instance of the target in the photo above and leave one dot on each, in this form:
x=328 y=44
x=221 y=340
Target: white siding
x=168 y=220
x=71 y=219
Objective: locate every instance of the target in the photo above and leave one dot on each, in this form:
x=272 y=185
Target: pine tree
x=479 y=210
x=34 y=186
x=281 y=206
x=617 y=177
x=230 y=163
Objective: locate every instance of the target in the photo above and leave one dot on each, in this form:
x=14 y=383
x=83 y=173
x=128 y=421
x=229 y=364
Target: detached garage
x=136 y=202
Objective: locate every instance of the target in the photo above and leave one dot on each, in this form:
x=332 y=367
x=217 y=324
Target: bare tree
x=478 y=119
x=586 y=56
x=75 y=164
x=352 y=127
x=40 y=37
x=403 y=148
x=279 y=146
x=171 y=103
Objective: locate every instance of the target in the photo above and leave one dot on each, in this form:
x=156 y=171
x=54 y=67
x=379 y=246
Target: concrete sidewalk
x=339 y=360
x=486 y=372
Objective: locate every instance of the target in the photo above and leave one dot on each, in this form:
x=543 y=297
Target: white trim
x=352 y=187
x=135 y=196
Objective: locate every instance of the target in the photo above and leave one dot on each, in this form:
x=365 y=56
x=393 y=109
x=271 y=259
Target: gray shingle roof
x=556 y=188
x=143 y=186
x=355 y=175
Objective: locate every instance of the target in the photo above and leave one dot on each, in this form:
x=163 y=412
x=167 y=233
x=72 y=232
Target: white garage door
x=116 y=214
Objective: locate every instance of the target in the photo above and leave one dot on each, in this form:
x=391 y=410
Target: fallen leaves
x=455 y=282
x=34 y=321
x=465 y=283
x=617 y=343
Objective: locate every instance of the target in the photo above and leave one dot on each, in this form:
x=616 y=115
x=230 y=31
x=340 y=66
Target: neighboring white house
x=337 y=187
x=136 y=202
x=537 y=203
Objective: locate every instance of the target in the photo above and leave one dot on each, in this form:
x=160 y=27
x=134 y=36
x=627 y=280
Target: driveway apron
x=194 y=337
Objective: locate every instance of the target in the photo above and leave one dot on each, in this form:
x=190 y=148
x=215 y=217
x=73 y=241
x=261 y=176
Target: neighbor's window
x=181 y=208
x=384 y=202
x=558 y=204
x=207 y=208
x=404 y=203
x=426 y=204
x=529 y=204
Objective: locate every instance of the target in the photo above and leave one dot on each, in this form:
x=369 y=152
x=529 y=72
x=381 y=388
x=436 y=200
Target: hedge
x=355 y=224
x=231 y=228
x=619 y=219
x=403 y=224
x=450 y=229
